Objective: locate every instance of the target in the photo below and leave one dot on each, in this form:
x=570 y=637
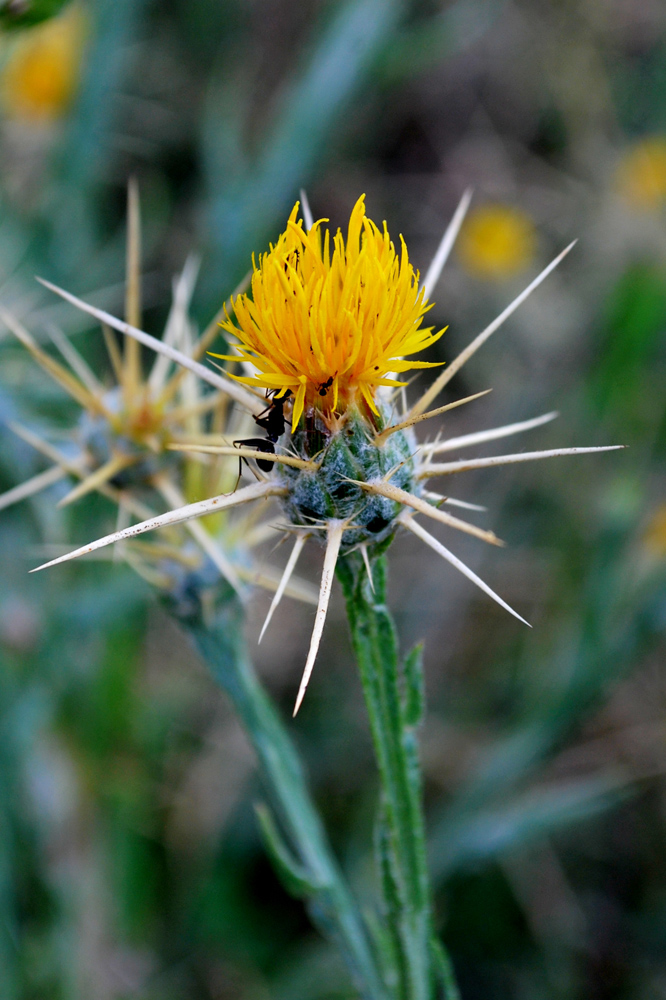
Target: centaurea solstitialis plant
x=322 y=335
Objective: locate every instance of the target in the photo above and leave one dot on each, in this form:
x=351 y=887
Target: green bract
x=348 y=456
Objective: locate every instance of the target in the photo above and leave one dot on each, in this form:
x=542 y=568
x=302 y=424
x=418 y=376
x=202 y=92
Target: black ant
x=325 y=386
x=273 y=421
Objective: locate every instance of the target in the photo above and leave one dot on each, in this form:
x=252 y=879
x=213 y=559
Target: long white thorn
x=423 y=507
x=465 y=504
x=335 y=530
x=306 y=210
x=211 y=506
x=31 y=486
x=480 y=437
x=77 y=467
x=368 y=567
x=441 y=550
x=301 y=539
x=78 y=365
x=446 y=245
x=410 y=421
x=182 y=293
x=426 y=399
x=448 y=468
x=227 y=385
x=203 y=538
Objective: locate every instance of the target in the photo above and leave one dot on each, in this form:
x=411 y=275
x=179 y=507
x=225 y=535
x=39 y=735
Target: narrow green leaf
x=414 y=694
x=444 y=973
x=24 y=15
x=296 y=880
x=392 y=907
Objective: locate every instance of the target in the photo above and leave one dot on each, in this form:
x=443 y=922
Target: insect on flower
x=327 y=327
x=273 y=421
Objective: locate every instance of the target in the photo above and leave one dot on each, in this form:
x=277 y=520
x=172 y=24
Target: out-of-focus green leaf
x=416 y=49
x=292 y=874
x=250 y=194
x=25 y=13
x=633 y=332
x=488 y=833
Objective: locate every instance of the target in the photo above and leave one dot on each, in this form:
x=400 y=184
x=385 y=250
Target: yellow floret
x=329 y=323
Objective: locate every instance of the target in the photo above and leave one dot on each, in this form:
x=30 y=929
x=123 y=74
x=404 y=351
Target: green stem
x=394 y=702
x=218 y=636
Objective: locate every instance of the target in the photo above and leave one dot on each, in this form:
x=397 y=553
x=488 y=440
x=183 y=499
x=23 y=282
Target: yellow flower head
x=641 y=174
x=497 y=241
x=40 y=76
x=329 y=323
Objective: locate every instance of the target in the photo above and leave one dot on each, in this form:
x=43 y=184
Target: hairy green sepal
x=348 y=454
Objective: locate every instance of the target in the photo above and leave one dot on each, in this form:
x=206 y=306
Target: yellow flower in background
x=641 y=175
x=655 y=535
x=497 y=241
x=330 y=323
x=41 y=73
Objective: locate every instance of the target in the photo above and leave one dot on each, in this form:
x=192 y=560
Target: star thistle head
x=324 y=329
x=328 y=323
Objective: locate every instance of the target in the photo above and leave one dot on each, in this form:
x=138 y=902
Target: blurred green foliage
x=26 y=13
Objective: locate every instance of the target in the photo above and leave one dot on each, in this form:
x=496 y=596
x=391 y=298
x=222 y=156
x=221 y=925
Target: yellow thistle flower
x=641 y=174
x=329 y=324
x=351 y=472
x=40 y=76
x=497 y=241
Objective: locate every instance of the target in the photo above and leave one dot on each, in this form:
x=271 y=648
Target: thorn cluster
x=349 y=470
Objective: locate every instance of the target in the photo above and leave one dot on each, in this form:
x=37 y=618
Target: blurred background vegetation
x=130 y=863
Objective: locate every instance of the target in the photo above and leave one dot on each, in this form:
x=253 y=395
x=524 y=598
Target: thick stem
x=394 y=709
x=219 y=638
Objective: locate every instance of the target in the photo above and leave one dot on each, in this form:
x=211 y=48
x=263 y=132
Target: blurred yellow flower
x=41 y=73
x=641 y=174
x=497 y=241
x=655 y=534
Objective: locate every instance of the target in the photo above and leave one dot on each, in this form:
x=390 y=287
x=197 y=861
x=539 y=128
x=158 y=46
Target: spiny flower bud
x=324 y=330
